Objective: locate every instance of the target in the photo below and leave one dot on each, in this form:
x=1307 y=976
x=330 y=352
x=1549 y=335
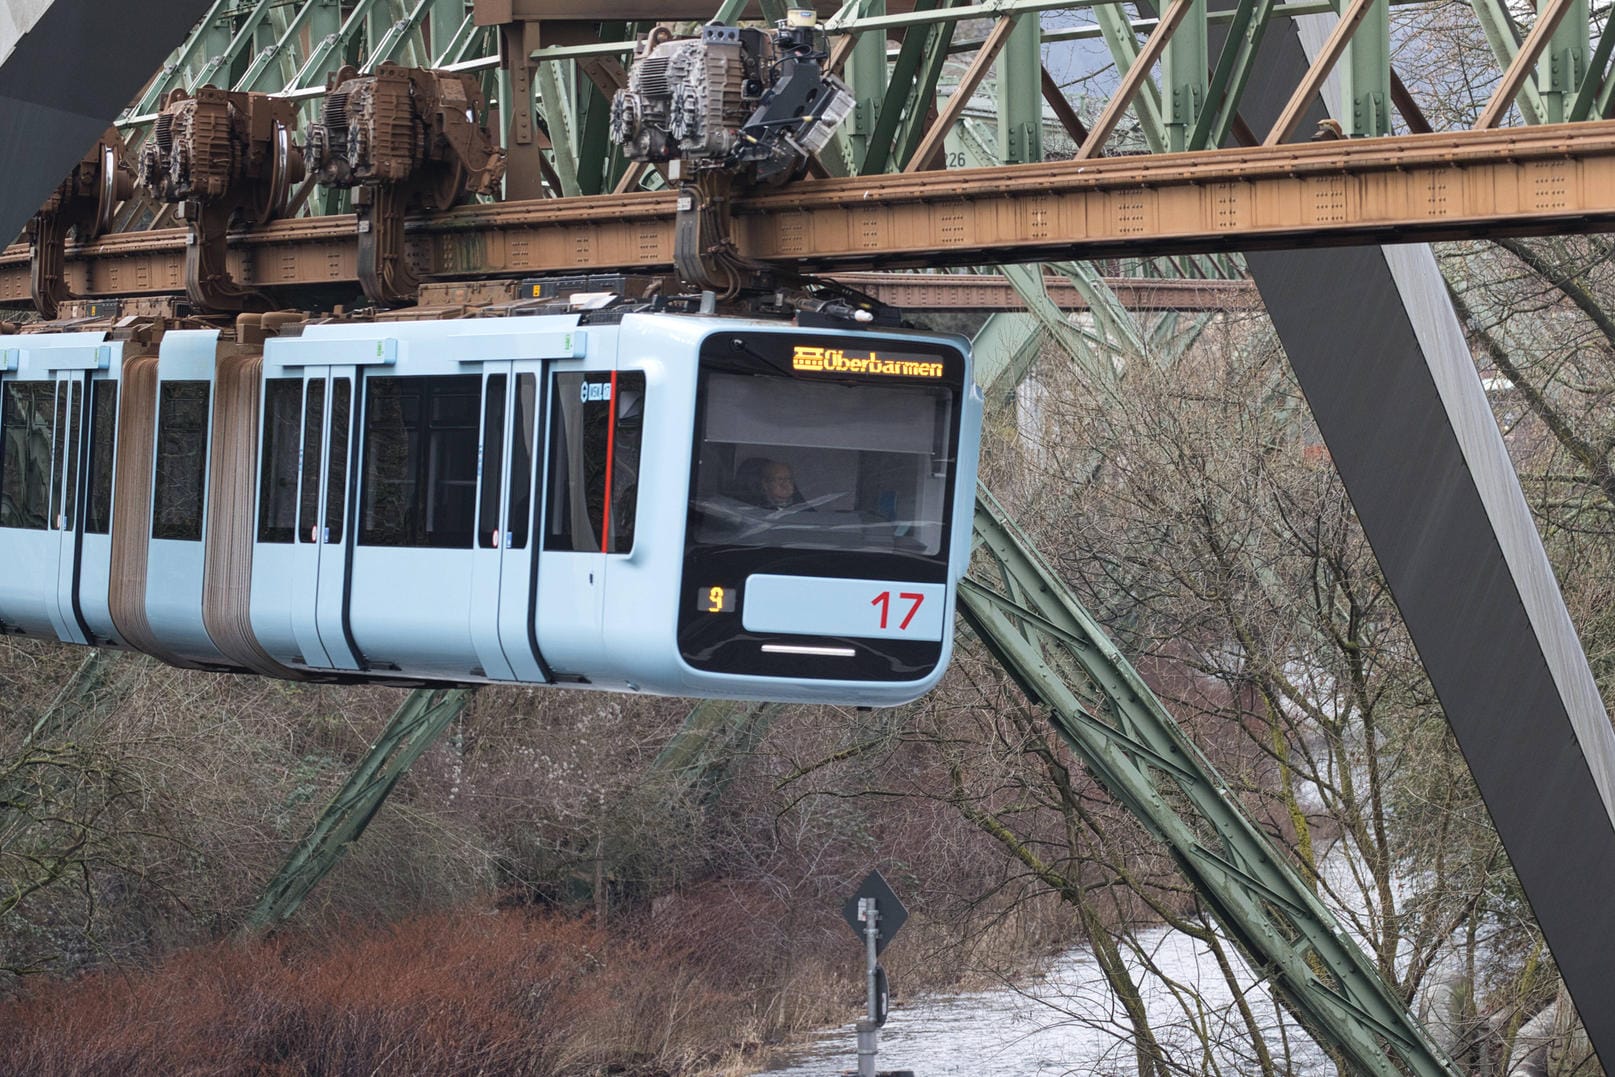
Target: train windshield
x=792 y=464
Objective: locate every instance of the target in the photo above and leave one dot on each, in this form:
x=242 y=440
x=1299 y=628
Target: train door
x=590 y=500
x=67 y=460
x=28 y=540
x=321 y=550
x=176 y=554
x=100 y=448
x=42 y=404
x=504 y=560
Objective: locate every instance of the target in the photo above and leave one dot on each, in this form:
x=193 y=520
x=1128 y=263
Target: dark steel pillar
x=1383 y=362
x=66 y=80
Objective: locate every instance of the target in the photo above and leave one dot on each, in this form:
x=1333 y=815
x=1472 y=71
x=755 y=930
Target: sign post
x=876 y=915
x=868 y=1028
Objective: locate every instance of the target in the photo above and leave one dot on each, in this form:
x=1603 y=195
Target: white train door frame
x=515 y=369
x=66 y=498
x=65 y=366
x=322 y=547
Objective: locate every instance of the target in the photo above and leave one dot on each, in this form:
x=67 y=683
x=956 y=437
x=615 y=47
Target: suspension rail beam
x=994 y=291
x=1543 y=179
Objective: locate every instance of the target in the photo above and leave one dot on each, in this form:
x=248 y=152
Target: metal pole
x=868 y=1028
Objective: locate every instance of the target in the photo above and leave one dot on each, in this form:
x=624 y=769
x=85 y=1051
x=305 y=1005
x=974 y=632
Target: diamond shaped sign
x=890 y=910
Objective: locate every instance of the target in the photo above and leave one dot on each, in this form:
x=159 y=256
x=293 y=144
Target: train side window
x=336 y=479
x=181 y=478
x=420 y=461
x=103 y=452
x=25 y=458
x=597 y=421
x=277 y=481
x=493 y=463
x=521 y=460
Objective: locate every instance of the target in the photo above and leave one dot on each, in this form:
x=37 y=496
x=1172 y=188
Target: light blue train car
x=58 y=428
x=693 y=505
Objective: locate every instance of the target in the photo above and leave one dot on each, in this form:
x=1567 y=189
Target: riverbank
x=1065 y=1020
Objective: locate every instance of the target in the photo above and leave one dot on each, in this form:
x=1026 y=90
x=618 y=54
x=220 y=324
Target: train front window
x=802 y=465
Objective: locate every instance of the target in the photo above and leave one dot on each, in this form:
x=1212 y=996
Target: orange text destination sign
x=836 y=361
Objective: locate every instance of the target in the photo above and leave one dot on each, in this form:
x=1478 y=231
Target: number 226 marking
x=884 y=601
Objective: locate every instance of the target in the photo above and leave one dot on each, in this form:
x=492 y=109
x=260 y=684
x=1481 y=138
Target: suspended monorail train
x=685 y=504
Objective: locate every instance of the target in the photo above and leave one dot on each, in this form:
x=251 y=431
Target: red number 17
x=884 y=601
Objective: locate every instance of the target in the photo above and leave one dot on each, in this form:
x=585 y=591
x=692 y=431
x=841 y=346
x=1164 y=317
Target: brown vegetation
x=473 y=990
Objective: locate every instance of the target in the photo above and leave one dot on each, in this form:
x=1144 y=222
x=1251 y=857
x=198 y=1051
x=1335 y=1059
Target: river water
x=1067 y=1021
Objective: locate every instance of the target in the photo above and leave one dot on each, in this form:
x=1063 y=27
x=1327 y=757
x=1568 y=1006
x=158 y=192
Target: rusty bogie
x=84 y=202
x=224 y=157
x=404 y=139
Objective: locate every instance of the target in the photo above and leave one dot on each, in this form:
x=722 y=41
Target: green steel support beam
x=598 y=160
x=398 y=37
x=1107 y=715
x=866 y=77
x=81 y=697
x=1027 y=280
x=269 y=31
x=1603 y=107
x=1018 y=81
x=217 y=34
x=1184 y=71
x=173 y=72
x=1564 y=67
x=715 y=734
x=1004 y=349
x=1365 y=76
x=503 y=97
x=1498 y=27
x=417 y=723
x=900 y=94
x=456 y=45
x=380 y=17
x=325 y=22
x=268 y=70
x=914 y=125
x=447 y=18
x=1118 y=327
x=78 y=696
x=555 y=104
x=1170 y=342
x=331 y=51
x=90 y=696
x=1118 y=35
x=1594 y=80
x=216 y=71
